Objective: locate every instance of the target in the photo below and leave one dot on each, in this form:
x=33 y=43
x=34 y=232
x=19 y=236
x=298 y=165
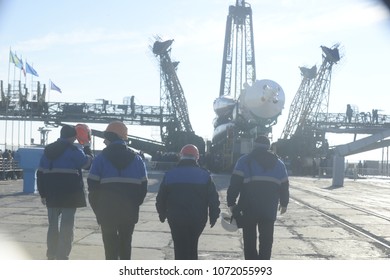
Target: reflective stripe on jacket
x=117 y=189
x=187 y=194
x=59 y=176
x=259 y=190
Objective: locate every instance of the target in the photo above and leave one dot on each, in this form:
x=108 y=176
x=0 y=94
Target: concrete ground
x=300 y=234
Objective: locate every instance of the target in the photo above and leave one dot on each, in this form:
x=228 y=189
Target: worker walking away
x=60 y=185
x=187 y=197
x=117 y=184
x=260 y=182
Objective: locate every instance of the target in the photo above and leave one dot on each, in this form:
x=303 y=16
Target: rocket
x=259 y=103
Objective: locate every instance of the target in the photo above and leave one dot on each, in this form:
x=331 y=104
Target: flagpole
x=12 y=134
x=19 y=93
x=32 y=86
x=24 y=132
x=48 y=94
x=9 y=64
x=14 y=76
x=9 y=90
x=32 y=81
x=6 y=108
x=25 y=77
x=20 y=73
x=18 y=134
x=24 y=122
x=22 y=70
x=31 y=132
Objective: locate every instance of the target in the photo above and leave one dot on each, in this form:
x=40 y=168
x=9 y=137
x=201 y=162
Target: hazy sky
x=100 y=49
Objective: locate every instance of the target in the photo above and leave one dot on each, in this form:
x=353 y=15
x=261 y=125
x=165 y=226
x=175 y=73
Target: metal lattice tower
x=312 y=97
x=238 y=65
x=172 y=96
x=299 y=101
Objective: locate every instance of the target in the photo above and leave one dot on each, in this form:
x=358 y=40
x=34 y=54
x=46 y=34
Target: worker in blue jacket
x=187 y=198
x=260 y=182
x=117 y=184
x=60 y=185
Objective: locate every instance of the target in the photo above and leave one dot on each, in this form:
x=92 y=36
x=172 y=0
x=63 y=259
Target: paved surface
x=300 y=234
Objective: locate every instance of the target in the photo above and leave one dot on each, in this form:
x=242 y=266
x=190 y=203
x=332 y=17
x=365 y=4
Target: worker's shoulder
x=244 y=159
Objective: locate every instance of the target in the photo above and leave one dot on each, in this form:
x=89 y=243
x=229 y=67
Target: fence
x=355 y=172
x=9 y=169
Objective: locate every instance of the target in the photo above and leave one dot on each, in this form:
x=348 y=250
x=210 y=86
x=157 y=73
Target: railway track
x=315 y=202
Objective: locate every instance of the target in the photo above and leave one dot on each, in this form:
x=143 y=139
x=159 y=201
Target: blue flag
x=31 y=70
x=54 y=87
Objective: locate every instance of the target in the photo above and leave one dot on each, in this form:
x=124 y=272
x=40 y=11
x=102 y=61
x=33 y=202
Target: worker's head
x=116 y=130
x=189 y=151
x=262 y=142
x=68 y=132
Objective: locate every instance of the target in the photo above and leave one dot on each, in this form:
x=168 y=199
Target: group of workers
x=368 y=117
x=187 y=198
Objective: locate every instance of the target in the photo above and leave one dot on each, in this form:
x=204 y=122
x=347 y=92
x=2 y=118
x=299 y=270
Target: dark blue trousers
x=266 y=237
x=117 y=241
x=185 y=239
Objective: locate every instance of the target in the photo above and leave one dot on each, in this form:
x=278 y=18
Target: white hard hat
x=228 y=222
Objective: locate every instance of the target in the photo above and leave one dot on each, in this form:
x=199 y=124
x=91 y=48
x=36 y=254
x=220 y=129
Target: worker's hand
x=282 y=209
x=43 y=200
x=162 y=218
x=87 y=150
x=212 y=222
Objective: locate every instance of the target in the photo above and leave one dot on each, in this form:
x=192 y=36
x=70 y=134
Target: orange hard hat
x=119 y=128
x=83 y=133
x=189 y=151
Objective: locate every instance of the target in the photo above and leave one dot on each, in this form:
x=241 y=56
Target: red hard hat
x=189 y=151
x=83 y=133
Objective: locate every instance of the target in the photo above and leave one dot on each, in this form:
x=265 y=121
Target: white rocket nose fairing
x=264 y=99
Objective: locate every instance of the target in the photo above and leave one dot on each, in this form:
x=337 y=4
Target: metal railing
x=10 y=169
